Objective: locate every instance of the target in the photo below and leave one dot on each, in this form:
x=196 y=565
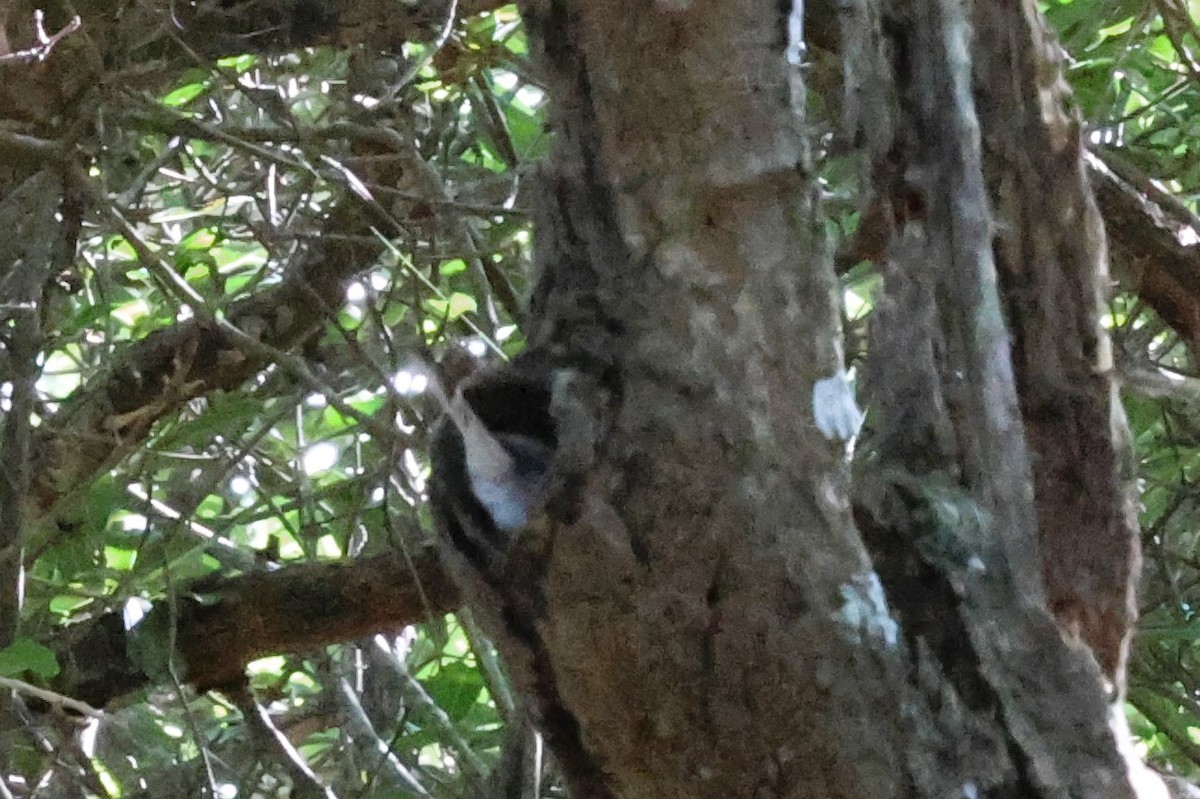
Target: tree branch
x=1152 y=254
x=224 y=625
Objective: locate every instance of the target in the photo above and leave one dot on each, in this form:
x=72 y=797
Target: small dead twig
x=45 y=41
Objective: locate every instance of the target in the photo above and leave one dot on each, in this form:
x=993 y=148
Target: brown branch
x=14 y=147
x=223 y=626
x=1148 y=253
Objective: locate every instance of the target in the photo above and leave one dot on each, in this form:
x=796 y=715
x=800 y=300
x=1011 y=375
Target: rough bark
x=1052 y=262
x=221 y=626
x=674 y=193
x=1050 y=252
x=701 y=620
x=947 y=501
x=682 y=264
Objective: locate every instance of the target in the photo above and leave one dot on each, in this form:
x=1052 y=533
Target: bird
x=506 y=471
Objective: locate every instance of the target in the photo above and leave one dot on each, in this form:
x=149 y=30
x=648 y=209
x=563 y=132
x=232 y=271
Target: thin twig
x=45 y=41
x=51 y=697
x=266 y=733
x=359 y=726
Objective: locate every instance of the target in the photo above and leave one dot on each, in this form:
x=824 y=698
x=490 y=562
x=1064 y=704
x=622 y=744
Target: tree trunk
x=1053 y=265
x=695 y=612
x=689 y=629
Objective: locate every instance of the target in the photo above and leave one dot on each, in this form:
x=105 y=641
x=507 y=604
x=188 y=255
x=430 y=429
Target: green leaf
x=201 y=239
x=119 y=558
x=27 y=655
x=65 y=605
x=528 y=131
x=184 y=94
x=225 y=412
x=103 y=497
x=455 y=687
x=238 y=63
x=452 y=308
x=193 y=565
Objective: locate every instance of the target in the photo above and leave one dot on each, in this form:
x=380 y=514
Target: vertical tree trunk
x=1053 y=265
x=691 y=633
x=695 y=613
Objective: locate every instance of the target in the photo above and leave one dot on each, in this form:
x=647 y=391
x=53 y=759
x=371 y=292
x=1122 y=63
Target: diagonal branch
x=1153 y=246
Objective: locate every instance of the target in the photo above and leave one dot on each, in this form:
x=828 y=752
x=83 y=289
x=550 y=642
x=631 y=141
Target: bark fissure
x=694 y=616
x=1052 y=260
x=701 y=475
x=956 y=484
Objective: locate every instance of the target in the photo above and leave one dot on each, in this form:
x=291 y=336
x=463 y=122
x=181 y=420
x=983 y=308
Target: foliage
x=1136 y=80
x=212 y=186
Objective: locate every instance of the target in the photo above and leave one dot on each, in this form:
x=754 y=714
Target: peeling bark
x=947 y=501
x=1052 y=262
